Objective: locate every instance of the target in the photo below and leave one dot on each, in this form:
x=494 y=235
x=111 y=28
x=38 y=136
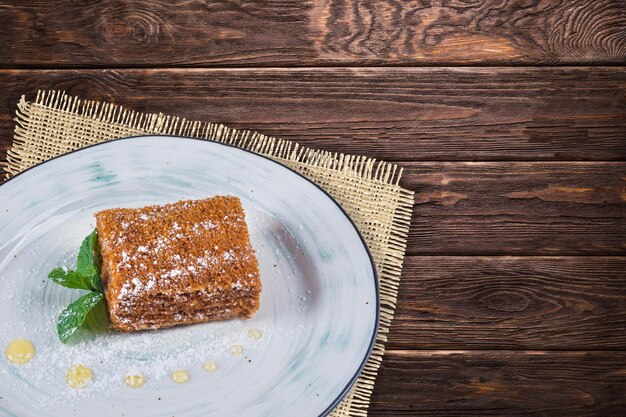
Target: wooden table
x=509 y=117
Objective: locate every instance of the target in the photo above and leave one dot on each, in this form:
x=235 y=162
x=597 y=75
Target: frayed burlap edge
x=369 y=191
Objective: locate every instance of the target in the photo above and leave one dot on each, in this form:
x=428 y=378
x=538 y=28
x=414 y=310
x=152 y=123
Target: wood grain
x=452 y=302
x=550 y=140
x=502 y=383
x=398 y=114
x=38 y=33
x=525 y=208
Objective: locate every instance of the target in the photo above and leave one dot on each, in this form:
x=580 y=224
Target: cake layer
x=166 y=310
x=167 y=314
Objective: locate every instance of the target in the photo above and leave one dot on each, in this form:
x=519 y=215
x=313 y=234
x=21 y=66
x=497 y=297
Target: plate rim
x=370 y=348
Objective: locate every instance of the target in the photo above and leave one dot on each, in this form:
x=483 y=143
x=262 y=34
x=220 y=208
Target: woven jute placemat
x=55 y=123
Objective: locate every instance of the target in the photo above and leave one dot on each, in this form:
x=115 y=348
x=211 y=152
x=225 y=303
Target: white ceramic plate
x=319 y=305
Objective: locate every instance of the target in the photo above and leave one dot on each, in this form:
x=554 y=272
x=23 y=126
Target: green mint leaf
x=97 y=320
x=85 y=259
x=93 y=278
x=72 y=279
x=96 y=281
x=96 y=284
x=86 y=262
x=75 y=314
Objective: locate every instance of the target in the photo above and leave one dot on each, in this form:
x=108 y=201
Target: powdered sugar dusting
x=114 y=355
x=133 y=256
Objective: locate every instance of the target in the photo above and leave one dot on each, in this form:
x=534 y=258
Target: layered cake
x=180 y=263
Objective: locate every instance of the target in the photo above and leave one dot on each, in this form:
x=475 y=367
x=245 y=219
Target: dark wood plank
x=526 y=208
x=393 y=113
x=502 y=383
x=561 y=303
x=293 y=32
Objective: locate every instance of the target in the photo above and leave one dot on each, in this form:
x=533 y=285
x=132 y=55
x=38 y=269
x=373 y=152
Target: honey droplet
x=255 y=334
x=20 y=351
x=180 y=376
x=79 y=376
x=135 y=379
x=236 y=350
x=210 y=366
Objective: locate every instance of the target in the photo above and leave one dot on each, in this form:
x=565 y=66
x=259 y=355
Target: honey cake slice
x=180 y=263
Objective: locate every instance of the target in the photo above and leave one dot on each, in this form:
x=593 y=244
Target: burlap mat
x=368 y=190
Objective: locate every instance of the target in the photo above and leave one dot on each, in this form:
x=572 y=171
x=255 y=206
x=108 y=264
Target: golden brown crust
x=179 y=263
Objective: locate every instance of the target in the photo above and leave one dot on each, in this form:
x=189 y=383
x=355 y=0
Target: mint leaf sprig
x=85 y=277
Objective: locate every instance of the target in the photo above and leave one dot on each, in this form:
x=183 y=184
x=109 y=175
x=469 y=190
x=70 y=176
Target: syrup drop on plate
x=135 y=379
x=20 y=351
x=79 y=376
x=236 y=350
x=180 y=376
x=210 y=366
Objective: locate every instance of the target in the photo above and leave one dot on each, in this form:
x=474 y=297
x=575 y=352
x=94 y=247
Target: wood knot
x=134 y=26
x=443 y=198
x=508 y=301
